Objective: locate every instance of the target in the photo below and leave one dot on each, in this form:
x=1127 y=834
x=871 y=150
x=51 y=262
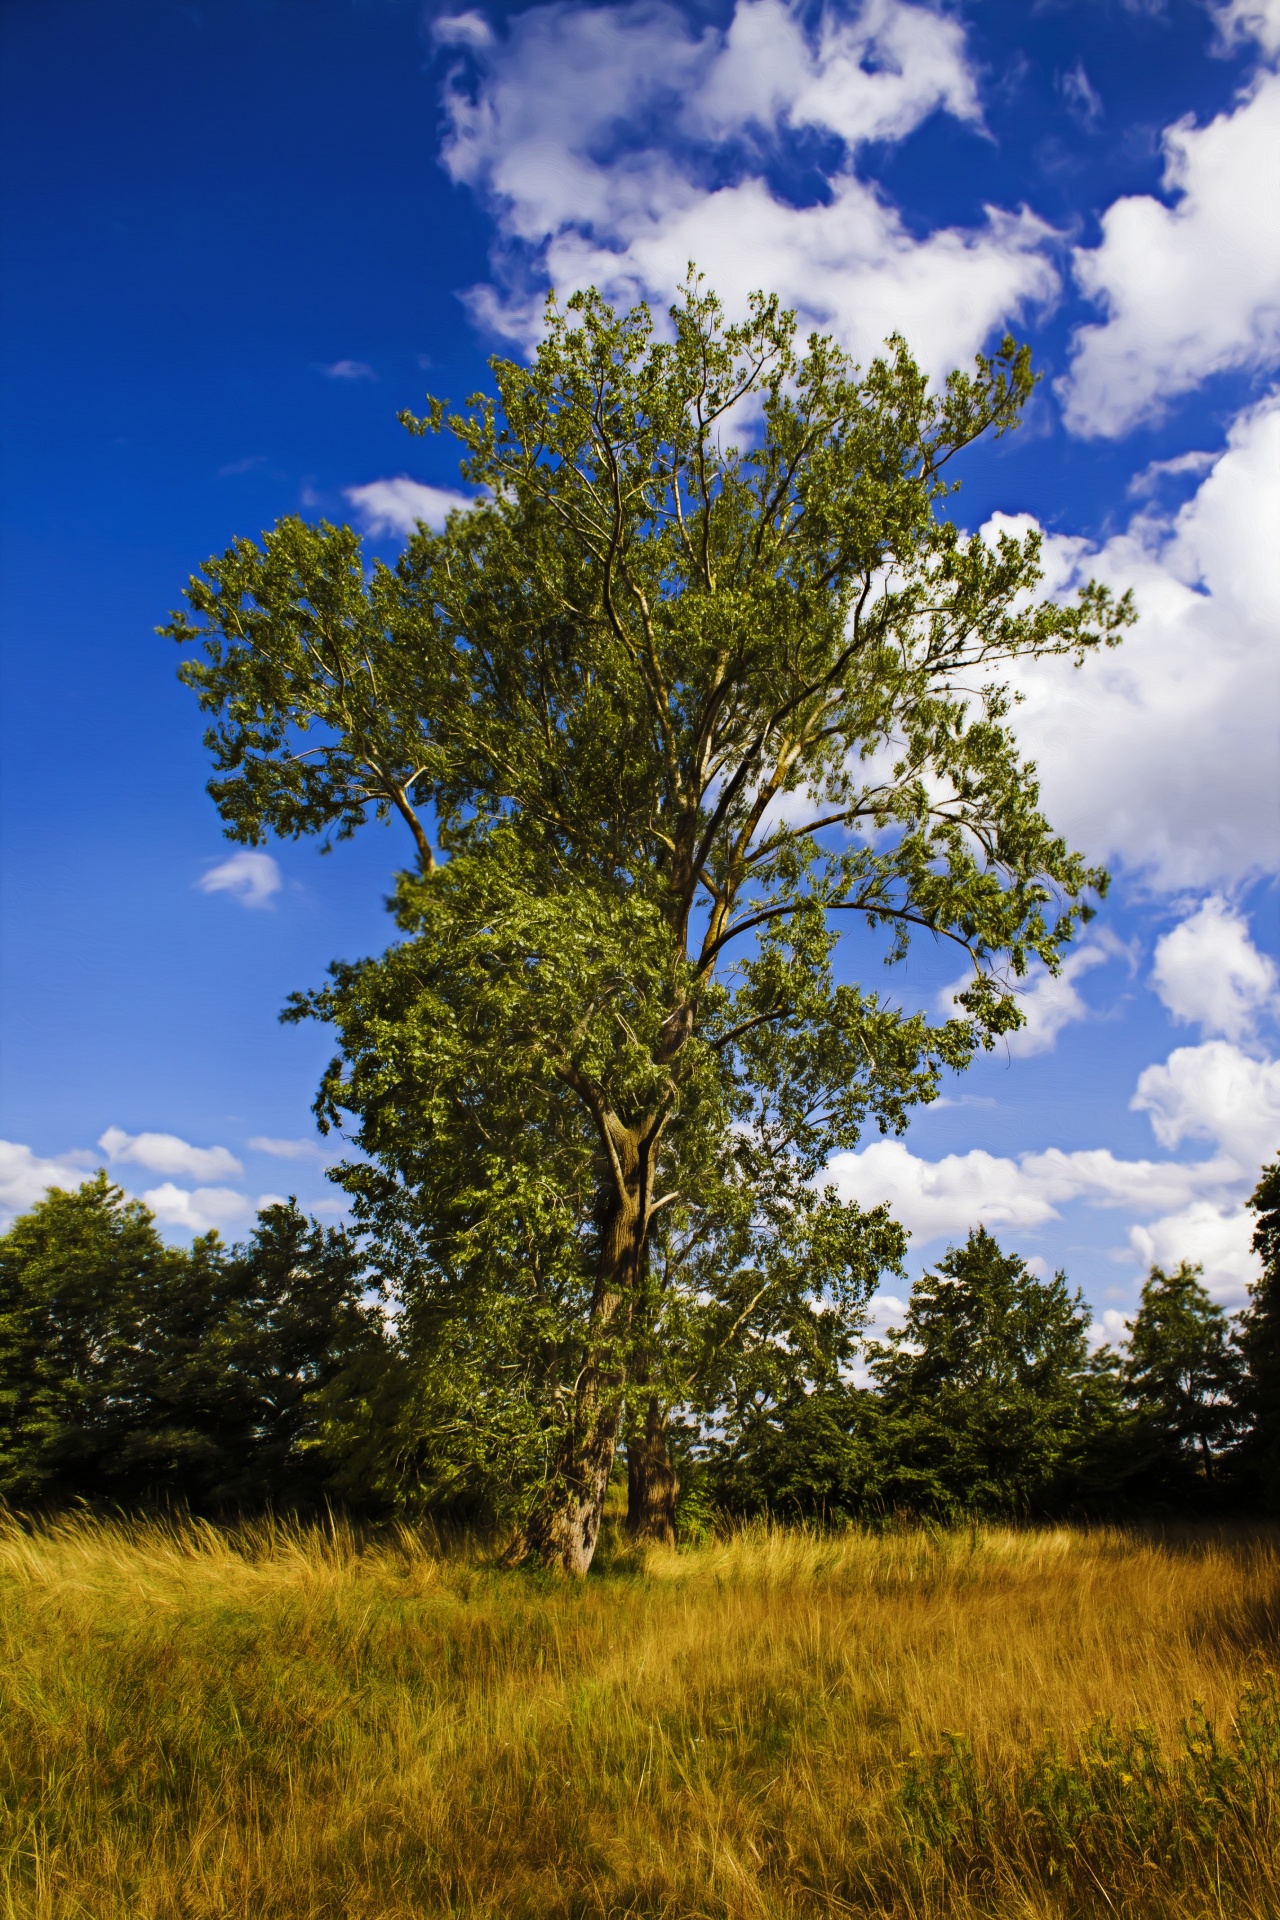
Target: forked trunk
x=652 y=1485
x=565 y=1527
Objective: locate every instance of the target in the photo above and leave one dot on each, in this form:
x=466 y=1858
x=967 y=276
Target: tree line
x=293 y=1372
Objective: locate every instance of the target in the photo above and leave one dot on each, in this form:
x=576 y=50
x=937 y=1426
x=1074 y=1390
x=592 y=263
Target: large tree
x=705 y=676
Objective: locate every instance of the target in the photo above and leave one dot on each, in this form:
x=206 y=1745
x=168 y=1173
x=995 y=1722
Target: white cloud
x=397 y=506
x=250 y=878
x=1163 y=754
x=1049 y=1001
x=595 y=135
x=349 y=370
x=288 y=1149
x=1217 y=1238
x=1250 y=20
x=25 y=1177
x=1111 y=1329
x=1214 y=1092
x=1191 y=289
x=202 y=1210
x=1182 y=464
x=948 y=1196
x=885 y=1310
x=1083 y=101
x=166 y=1153
x=1209 y=973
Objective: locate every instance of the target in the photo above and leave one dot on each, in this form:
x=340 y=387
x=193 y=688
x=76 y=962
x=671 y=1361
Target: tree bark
x=565 y=1527
x=652 y=1484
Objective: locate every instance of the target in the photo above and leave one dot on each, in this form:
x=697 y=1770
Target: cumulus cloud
x=1217 y=1238
x=202 y=1210
x=948 y=1196
x=166 y=1153
x=1162 y=754
x=250 y=878
x=1209 y=973
x=1190 y=289
x=349 y=370
x=25 y=1177
x=1214 y=1092
x=397 y=506
x=614 y=145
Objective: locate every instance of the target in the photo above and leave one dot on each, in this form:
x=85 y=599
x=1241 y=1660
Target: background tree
x=984 y=1397
x=76 y=1274
x=1259 y=1388
x=240 y=1365
x=1182 y=1373
x=680 y=710
x=218 y=1377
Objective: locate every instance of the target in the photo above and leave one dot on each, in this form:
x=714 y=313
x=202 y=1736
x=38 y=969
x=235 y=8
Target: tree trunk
x=652 y=1484
x=563 y=1531
x=1207 y=1457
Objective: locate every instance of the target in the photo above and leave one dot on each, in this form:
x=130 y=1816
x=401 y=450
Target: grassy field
x=289 y=1723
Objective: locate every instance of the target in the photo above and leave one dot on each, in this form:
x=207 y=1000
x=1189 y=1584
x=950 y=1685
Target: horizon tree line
x=291 y=1372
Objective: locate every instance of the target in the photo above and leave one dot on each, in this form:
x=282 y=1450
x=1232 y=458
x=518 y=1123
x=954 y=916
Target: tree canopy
x=131 y=1370
x=1182 y=1370
x=705 y=676
x=984 y=1387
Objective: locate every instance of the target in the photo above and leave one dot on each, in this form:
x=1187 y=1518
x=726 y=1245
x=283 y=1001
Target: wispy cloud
x=348 y=370
x=1083 y=101
x=287 y=1149
x=1183 y=466
x=251 y=878
x=1049 y=1001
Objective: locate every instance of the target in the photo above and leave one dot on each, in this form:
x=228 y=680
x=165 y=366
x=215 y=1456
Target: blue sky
x=238 y=235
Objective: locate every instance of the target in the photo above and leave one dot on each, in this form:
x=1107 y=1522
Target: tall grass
x=290 y=1722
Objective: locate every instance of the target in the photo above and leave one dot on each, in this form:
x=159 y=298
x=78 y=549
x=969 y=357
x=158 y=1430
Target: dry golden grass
x=276 y=1723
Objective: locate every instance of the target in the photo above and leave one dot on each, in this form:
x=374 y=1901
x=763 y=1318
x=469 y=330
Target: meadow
x=276 y=1722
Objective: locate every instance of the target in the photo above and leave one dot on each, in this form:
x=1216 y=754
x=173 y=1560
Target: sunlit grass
x=287 y=1722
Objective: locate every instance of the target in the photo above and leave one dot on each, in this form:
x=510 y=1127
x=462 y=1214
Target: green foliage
x=1072 y=1819
x=1259 y=1341
x=78 y=1275
x=986 y=1400
x=810 y=1455
x=679 y=710
x=1182 y=1377
x=131 y=1371
x=984 y=1388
